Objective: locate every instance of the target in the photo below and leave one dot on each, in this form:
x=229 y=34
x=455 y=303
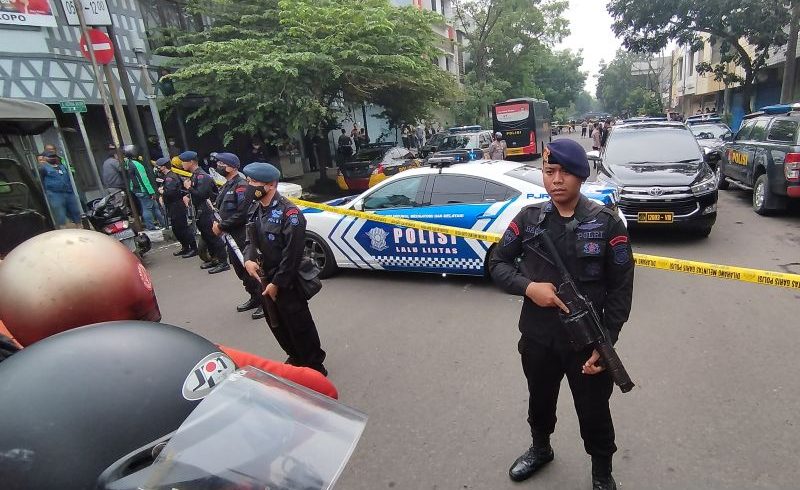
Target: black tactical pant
x=297 y=334
x=251 y=285
x=214 y=243
x=544 y=368
x=180 y=225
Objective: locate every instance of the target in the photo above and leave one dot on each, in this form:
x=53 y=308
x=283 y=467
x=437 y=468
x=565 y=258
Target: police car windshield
x=716 y=130
x=458 y=141
x=527 y=173
x=662 y=144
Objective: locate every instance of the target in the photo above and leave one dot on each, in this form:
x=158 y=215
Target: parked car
x=432 y=145
x=482 y=195
x=661 y=174
x=708 y=117
x=711 y=138
x=764 y=157
x=476 y=140
x=372 y=163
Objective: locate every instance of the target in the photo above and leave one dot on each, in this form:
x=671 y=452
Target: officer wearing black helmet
x=233 y=201
x=280 y=240
x=173 y=193
x=201 y=188
x=595 y=248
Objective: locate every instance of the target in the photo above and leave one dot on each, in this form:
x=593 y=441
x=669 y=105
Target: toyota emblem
x=656 y=191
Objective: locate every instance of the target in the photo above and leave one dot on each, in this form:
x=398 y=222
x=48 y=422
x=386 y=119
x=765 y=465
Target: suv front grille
x=680 y=207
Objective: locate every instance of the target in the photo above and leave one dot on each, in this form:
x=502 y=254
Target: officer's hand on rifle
x=252 y=268
x=271 y=291
x=544 y=295
x=186 y=200
x=591 y=366
x=187 y=184
x=216 y=229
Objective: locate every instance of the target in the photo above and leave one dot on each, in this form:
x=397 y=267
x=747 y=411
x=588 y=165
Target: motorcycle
x=109 y=215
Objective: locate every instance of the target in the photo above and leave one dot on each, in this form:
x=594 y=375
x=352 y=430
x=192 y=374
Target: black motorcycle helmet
x=73 y=404
x=129 y=151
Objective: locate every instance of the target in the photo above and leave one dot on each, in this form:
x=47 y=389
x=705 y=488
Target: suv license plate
x=125 y=234
x=648 y=217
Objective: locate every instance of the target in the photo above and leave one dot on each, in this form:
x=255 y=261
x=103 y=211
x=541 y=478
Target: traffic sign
x=95 y=12
x=72 y=106
x=103 y=50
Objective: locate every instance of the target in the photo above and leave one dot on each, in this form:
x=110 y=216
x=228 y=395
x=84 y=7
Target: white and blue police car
x=481 y=195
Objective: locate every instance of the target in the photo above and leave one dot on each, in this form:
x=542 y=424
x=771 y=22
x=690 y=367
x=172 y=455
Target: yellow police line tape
x=767 y=278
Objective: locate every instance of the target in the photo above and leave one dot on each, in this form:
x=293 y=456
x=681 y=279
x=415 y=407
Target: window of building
x=433 y=5
x=447 y=63
x=680 y=68
x=690 y=68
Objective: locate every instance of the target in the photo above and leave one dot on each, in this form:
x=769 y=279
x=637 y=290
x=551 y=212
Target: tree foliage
x=510 y=52
x=619 y=92
x=268 y=66
x=734 y=27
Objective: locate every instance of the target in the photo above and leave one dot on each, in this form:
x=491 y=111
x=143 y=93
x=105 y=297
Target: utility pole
x=130 y=101
x=789 y=67
x=147 y=85
x=109 y=117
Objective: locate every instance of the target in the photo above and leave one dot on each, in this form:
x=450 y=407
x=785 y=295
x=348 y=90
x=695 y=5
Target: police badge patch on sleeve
x=619 y=245
x=511 y=233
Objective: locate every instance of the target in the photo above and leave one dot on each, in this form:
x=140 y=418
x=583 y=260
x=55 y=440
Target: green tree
x=510 y=51
x=282 y=65
x=646 y=26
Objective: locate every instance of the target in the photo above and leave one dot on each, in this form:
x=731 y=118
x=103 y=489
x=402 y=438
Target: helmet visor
x=259 y=431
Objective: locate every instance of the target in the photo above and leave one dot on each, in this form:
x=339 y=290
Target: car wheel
x=764 y=201
x=722 y=184
x=317 y=250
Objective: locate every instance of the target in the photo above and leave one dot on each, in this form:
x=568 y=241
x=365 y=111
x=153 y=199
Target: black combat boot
x=251 y=303
x=539 y=454
x=180 y=252
x=601 y=474
x=258 y=314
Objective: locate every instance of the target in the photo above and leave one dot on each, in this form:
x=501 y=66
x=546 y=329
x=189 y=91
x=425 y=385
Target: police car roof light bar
x=780 y=108
x=447 y=158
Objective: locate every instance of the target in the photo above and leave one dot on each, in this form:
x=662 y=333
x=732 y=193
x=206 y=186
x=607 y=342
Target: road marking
x=754 y=276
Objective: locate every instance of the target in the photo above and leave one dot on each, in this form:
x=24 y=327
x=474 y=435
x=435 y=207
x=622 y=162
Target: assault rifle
x=583 y=323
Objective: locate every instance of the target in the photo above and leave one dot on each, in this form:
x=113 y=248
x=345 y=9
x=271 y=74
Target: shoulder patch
x=618 y=239
x=292 y=211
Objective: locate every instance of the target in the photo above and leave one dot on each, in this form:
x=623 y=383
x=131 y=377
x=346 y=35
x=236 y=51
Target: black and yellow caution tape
x=755 y=276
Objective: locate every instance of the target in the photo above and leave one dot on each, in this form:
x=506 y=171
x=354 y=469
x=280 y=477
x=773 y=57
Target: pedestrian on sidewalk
x=113 y=179
x=57 y=185
x=142 y=188
x=583 y=128
x=596 y=136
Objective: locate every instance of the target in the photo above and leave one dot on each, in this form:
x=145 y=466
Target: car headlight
x=707 y=184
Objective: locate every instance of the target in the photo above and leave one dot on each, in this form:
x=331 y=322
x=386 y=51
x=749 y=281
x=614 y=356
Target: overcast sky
x=590 y=27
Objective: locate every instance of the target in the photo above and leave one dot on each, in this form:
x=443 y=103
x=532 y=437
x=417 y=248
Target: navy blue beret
x=188 y=156
x=262 y=172
x=570 y=155
x=162 y=162
x=228 y=159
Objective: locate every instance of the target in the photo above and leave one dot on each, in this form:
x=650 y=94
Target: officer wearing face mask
x=233 y=201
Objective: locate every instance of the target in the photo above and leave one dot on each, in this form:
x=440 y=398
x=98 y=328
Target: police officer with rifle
x=571 y=260
x=233 y=201
x=274 y=252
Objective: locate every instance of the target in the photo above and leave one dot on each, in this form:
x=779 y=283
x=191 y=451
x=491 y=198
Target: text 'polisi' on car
x=662 y=175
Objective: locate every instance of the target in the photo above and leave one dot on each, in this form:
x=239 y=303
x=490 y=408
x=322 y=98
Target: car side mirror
x=358 y=205
x=593 y=155
x=727 y=137
x=713 y=157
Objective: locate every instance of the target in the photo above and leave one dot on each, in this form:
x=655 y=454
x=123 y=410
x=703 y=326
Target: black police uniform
x=280 y=238
x=176 y=210
x=204 y=188
x=233 y=202
x=594 y=246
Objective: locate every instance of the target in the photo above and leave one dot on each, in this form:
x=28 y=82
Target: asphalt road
x=432 y=360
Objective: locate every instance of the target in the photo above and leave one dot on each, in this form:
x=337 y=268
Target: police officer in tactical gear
x=173 y=193
x=233 y=201
x=594 y=244
x=201 y=187
x=279 y=238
